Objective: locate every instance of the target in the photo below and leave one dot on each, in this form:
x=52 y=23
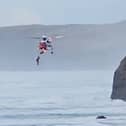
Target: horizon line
x=20 y=25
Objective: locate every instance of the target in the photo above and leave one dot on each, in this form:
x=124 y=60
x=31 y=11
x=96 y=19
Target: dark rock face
x=119 y=82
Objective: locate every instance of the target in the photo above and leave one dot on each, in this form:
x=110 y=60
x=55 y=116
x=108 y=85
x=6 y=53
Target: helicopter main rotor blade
x=36 y=37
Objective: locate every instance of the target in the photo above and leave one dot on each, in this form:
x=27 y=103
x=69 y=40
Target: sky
x=55 y=12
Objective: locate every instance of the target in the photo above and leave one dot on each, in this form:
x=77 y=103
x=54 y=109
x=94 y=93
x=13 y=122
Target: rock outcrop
x=119 y=82
x=101 y=117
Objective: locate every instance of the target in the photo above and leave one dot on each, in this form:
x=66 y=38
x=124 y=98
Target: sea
x=59 y=98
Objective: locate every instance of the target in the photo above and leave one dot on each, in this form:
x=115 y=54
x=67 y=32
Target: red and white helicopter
x=45 y=44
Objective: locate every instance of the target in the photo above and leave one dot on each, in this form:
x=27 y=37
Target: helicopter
x=45 y=44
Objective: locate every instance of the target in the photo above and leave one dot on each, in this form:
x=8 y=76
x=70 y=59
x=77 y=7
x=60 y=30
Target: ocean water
x=59 y=98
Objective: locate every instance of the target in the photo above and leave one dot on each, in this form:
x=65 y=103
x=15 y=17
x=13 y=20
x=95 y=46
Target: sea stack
x=119 y=82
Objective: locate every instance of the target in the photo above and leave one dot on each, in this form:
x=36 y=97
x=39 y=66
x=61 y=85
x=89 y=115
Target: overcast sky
x=19 y=12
